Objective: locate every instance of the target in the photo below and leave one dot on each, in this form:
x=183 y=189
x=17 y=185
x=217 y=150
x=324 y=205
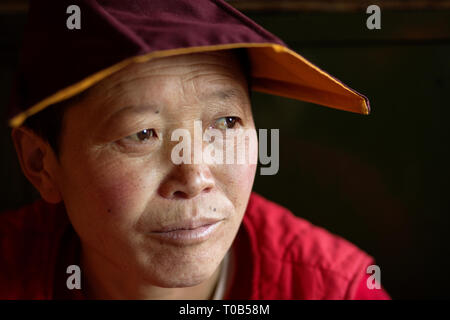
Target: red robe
x=279 y=256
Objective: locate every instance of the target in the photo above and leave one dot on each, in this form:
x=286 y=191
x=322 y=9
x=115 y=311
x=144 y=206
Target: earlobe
x=38 y=163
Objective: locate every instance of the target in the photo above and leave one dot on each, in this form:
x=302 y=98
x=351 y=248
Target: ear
x=38 y=162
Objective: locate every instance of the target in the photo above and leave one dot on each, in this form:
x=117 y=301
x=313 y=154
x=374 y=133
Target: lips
x=188 y=232
x=187 y=225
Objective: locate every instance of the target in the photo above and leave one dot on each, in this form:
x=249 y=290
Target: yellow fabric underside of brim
x=275 y=70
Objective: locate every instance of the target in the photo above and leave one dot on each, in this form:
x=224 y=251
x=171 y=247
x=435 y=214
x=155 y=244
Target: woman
x=100 y=110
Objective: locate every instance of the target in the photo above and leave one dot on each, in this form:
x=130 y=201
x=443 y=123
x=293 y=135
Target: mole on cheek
x=109 y=210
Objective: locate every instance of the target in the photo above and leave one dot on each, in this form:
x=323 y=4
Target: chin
x=185 y=273
x=183 y=279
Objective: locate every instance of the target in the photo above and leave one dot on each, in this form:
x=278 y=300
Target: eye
x=142 y=135
x=226 y=122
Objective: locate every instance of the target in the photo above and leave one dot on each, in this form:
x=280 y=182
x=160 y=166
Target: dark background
x=380 y=181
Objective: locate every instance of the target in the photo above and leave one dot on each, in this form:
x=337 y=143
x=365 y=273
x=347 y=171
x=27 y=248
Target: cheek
x=113 y=192
x=125 y=187
x=236 y=181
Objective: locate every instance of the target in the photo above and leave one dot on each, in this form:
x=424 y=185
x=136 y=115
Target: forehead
x=189 y=67
x=175 y=80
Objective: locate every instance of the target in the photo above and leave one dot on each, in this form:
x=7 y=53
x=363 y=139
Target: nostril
x=179 y=194
x=208 y=189
x=187 y=195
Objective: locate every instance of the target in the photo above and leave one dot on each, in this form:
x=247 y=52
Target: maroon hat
x=57 y=62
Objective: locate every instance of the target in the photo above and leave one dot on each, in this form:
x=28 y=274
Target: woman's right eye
x=142 y=135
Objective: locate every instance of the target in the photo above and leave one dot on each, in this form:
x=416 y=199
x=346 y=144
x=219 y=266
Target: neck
x=105 y=280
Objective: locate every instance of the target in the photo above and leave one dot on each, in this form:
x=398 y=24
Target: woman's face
x=121 y=186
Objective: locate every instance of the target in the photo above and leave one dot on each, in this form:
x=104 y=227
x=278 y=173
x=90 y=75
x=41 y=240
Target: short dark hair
x=48 y=122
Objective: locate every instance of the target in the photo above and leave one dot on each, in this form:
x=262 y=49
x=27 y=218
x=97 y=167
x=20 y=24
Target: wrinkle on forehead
x=226 y=62
x=198 y=75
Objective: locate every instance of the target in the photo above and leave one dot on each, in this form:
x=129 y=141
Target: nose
x=186 y=181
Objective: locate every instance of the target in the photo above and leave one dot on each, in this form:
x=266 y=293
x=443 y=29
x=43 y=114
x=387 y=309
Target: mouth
x=188 y=232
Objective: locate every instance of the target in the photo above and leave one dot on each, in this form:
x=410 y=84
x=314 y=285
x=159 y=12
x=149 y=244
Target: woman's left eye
x=142 y=135
x=226 y=122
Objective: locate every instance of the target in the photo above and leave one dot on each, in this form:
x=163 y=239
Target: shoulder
x=38 y=216
x=28 y=245
x=298 y=259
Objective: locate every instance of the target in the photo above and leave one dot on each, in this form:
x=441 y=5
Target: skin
x=117 y=189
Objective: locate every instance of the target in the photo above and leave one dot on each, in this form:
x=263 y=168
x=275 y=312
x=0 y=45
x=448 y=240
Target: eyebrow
x=233 y=94
x=227 y=94
x=132 y=110
x=154 y=109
